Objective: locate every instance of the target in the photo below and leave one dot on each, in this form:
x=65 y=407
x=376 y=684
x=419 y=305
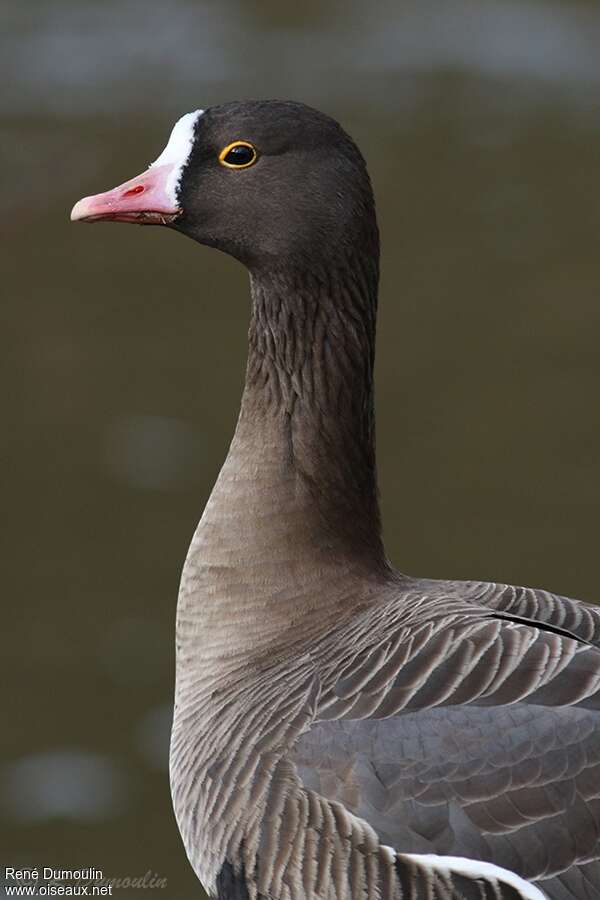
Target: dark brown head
x=275 y=184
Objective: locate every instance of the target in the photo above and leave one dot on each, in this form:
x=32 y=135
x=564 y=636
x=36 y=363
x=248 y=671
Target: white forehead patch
x=177 y=151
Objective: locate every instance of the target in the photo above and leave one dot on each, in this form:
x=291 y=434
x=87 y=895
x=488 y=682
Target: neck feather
x=309 y=390
x=290 y=539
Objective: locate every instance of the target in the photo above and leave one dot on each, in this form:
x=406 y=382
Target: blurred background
x=123 y=350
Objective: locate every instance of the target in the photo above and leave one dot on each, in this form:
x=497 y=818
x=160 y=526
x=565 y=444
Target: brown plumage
x=343 y=731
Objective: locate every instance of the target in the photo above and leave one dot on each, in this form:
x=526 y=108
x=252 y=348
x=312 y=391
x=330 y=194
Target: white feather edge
x=475 y=868
x=177 y=152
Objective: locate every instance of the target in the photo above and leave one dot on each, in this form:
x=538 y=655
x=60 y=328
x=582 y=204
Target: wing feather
x=574 y=616
x=458 y=733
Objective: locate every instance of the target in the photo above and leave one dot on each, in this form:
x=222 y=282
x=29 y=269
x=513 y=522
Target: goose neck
x=308 y=396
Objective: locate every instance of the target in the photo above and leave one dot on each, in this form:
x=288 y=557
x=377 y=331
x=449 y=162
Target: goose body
x=343 y=731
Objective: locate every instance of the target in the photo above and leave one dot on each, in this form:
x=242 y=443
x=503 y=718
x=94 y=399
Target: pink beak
x=146 y=199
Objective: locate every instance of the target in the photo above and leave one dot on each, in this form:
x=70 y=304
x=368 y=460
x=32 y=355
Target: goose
x=343 y=731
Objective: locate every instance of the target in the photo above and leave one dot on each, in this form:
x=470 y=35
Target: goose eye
x=238 y=155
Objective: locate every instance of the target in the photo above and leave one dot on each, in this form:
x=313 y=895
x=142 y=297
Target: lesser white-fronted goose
x=343 y=730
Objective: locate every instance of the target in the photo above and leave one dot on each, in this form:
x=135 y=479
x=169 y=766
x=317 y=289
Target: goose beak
x=148 y=199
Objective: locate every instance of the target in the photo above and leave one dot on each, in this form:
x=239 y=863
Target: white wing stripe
x=474 y=868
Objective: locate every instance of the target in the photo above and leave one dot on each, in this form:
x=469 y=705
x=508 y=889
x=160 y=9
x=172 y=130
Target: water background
x=123 y=350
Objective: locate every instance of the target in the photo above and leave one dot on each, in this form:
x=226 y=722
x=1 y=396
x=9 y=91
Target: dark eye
x=238 y=155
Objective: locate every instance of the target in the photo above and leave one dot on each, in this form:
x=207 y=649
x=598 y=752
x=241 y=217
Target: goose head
x=272 y=183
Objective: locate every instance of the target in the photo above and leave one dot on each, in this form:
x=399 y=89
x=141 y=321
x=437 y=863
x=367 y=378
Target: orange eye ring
x=245 y=159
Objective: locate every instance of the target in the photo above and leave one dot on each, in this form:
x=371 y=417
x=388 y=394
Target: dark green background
x=123 y=351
